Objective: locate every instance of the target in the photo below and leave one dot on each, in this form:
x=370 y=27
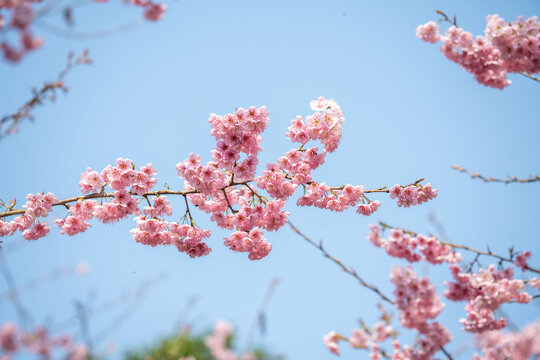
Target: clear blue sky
x=410 y=113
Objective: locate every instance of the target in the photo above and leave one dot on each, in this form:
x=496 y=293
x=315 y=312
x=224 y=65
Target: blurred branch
x=260 y=319
x=432 y=217
x=9 y=123
x=117 y=321
x=510 y=179
x=33 y=283
x=108 y=305
x=22 y=313
x=182 y=323
x=89 y=35
x=128 y=312
x=445 y=17
x=82 y=317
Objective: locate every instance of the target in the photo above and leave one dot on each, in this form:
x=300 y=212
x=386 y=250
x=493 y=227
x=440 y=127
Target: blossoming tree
x=249 y=202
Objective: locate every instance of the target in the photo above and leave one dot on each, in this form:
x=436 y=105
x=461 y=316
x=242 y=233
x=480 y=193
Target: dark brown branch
x=191 y=222
x=261 y=198
x=228 y=202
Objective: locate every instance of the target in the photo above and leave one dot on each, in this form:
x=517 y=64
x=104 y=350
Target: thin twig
x=509 y=180
x=349 y=271
x=446 y=18
x=47 y=92
x=530 y=76
x=119 y=320
x=228 y=202
x=89 y=35
x=34 y=283
x=110 y=304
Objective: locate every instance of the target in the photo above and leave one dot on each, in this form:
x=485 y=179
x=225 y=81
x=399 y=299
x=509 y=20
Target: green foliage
x=174 y=348
x=184 y=345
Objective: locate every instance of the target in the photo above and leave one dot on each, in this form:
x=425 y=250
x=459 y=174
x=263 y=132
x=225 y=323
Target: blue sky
x=410 y=113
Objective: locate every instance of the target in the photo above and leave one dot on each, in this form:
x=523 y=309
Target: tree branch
x=349 y=271
x=463 y=247
x=509 y=180
x=47 y=92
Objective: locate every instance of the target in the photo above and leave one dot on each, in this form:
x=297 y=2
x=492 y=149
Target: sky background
x=410 y=113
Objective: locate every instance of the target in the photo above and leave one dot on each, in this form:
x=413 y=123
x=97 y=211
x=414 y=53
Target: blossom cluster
x=364 y=338
x=21 y=17
x=186 y=238
x=152 y=11
x=521 y=260
x=226 y=188
x=295 y=168
x=217 y=343
x=506 y=47
x=499 y=345
x=37 y=205
x=412 y=194
x=325 y=124
x=13 y=342
x=485 y=292
x=125 y=180
x=238 y=135
x=418 y=302
x=413 y=248
x=335 y=199
x=18 y=16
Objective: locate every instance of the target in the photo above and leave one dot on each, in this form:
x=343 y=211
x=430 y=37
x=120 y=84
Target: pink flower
x=521 y=260
x=429 y=32
x=359 y=339
x=37 y=231
x=154 y=12
x=91 y=181
x=8 y=338
x=331 y=341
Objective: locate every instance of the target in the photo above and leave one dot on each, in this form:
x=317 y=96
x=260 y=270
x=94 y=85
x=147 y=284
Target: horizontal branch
x=86 y=35
x=509 y=180
x=102 y=195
